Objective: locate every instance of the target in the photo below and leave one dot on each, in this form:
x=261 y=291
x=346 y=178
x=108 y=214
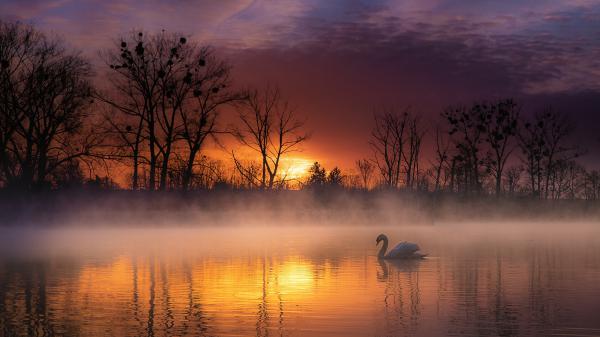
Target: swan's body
x=404 y=250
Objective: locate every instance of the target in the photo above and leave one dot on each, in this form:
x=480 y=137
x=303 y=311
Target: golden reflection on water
x=519 y=289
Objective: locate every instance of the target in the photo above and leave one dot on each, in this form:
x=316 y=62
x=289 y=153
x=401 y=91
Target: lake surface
x=304 y=281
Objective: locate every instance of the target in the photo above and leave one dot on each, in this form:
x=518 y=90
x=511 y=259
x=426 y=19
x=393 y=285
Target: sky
x=338 y=61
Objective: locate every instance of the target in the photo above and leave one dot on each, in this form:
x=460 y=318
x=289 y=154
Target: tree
x=411 y=157
x=591 y=185
x=365 y=170
x=543 y=144
x=532 y=143
x=512 y=178
x=207 y=173
x=45 y=95
x=335 y=177
x=317 y=177
x=124 y=130
x=441 y=157
x=199 y=120
x=467 y=127
x=387 y=142
x=500 y=122
x=167 y=89
x=270 y=128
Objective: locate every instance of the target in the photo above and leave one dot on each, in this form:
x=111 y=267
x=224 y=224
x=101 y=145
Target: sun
x=295 y=168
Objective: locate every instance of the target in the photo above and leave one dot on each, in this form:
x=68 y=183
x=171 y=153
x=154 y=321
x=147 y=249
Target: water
x=306 y=281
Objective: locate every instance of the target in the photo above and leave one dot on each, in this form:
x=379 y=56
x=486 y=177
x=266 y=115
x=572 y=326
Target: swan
x=404 y=250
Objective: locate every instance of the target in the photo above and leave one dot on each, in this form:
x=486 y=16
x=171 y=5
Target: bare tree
x=558 y=128
x=501 y=129
x=411 y=157
x=365 y=170
x=441 y=157
x=467 y=126
x=45 y=93
x=124 y=134
x=247 y=173
x=387 y=142
x=199 y=118
x=532 y=143
x=512 y=177
x=543 y=144
x=168 y=89
x=591 y=185
x=270 y=128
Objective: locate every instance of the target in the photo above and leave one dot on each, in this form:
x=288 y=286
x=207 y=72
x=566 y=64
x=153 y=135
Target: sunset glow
x=296 y=168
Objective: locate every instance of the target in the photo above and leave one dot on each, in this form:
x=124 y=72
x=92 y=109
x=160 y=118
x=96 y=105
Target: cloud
x=543 y=45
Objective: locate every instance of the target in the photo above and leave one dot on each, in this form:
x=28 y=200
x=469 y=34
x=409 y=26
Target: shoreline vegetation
x=125 y=208
x=73 y=150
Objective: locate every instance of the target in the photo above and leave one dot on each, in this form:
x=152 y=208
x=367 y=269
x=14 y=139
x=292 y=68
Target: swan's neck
x=383 y=249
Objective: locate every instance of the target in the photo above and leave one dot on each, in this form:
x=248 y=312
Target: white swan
x=404 y=250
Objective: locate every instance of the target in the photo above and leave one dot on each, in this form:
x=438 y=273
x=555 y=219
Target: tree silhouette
x=467 y=128
x=441 y=158
x=270 y=128
x=199 y=119
x=317 y=177
x=411 y=156
x=387 y=142
x=168 y=90
x=365 y=169
x=512 y=178
x=45 y=95
x=335 y=177
x=543 y=144
x=501 y=129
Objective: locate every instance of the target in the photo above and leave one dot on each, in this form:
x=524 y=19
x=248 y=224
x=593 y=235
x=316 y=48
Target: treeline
x=483 y=148
x=162 y=97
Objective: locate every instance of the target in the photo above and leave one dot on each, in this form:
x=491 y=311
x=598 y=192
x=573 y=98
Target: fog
x=223 y=222
x=280 y=208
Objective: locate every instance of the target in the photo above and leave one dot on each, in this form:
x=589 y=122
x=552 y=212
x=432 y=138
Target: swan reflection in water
x=401 y=305
x=389 y=268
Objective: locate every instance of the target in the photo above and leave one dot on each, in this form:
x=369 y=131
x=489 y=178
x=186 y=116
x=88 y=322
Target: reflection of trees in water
x=402 y=295
x=505 y=296
x=193 y=313
x=262 y=321
x=479 y=302
x=23 y=301
x=263 y=325
x=275 y=292
x=151 y=304
x=543 y=287
x=135 y=293
x=169 y=319
x=33 y=304
x=504 y=315
x=192 y=321
x=4 y=317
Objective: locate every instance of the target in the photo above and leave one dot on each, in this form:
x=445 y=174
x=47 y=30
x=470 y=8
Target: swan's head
x=380 y=237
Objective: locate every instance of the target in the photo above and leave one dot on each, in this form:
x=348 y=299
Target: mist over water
x=494 y=278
